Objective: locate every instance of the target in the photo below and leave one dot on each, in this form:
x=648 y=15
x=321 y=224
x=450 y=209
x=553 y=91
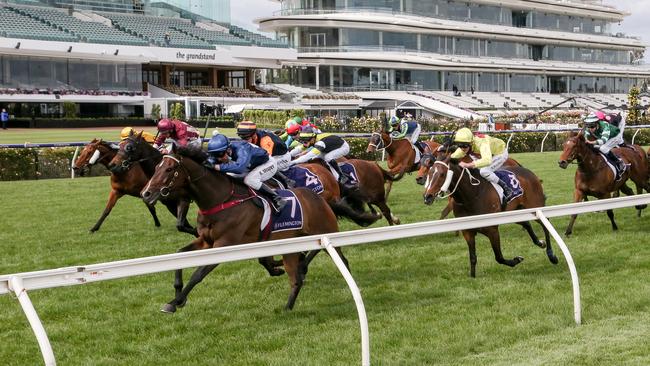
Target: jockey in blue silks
x=244 y=160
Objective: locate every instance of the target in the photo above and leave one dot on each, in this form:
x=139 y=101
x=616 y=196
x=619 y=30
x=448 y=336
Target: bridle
x=472 y=180
x=380 y=144
x=128 y=162
x=166 y=189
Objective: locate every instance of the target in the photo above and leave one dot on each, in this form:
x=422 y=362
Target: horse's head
x=426 y=161
x=375 y=142
x=170 y=176
x=571 y=149
x=132 y=149
x=88 y=156
x=439 y=175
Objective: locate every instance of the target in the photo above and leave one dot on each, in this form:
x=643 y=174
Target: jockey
x=323 y=146
x=305 y=122
x=180 y=132
x=405 y=129
x=493 y=154
x=126 y=131
x=604 y=136
x=244 y=160
x=290 y=137
x=273 y=144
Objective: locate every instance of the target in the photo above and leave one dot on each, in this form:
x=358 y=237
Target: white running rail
x=20 y=283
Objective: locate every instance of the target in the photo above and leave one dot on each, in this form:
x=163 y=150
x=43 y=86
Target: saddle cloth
x=613 y=167
x=290 y=218
x=511 y=180
x=305 y=178
x=349 y=169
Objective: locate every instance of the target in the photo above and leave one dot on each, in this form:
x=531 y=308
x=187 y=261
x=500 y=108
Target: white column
x=317 y=77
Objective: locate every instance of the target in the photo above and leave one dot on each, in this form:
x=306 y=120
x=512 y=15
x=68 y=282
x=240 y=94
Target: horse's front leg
x=492 y=233
x=179 y=300
x=470 y=238
x=529 y=229
x=578 y=196
x=292 y=265
x=182 y=224
x=112 y=199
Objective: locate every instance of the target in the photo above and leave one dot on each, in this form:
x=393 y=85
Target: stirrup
x=278 y=204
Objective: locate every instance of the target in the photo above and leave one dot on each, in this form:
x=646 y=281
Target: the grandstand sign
x=195 y=56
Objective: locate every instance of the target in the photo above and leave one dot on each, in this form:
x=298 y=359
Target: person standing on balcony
x=4 y=117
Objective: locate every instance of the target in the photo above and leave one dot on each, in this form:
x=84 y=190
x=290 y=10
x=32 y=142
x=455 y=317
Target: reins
x=381 y=142
x=472 y=179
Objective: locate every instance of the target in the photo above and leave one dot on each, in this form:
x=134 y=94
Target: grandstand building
x=496 y=53
x=120 y=57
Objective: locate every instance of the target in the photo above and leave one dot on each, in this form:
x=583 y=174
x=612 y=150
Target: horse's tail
x=342 y=209
x=387 y=176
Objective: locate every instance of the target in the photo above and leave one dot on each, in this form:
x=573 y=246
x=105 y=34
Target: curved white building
x=556 y=46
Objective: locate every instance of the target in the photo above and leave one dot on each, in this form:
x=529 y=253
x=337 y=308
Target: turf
x=422 y=306
x=26 y=135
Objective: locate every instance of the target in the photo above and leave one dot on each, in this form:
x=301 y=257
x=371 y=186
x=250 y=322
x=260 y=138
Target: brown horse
x=595 y=178
x=429 y=156
x=128 y=182
x=229 y=215
x=401 y=156
x=332 y=195
x=136 y=154
x=473 y=195
x=372 y=179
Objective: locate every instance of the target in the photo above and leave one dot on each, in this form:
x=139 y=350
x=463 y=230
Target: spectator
x=4 y=116
x=167 y=39
x=471 y=89
x=490 y=122
x=454 y=89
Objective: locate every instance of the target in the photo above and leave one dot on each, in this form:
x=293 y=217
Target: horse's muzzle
x=428 y=199
x=149 y=197
x=563 y=164
x=420 y=180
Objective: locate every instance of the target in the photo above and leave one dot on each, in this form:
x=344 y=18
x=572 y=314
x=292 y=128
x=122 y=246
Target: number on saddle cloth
x=305 y=178
x=349 y=169
x=290 y=218
x=511 y=180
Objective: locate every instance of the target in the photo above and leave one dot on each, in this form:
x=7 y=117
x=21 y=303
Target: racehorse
x=595 y=178
x=123 y=183
x=331 y=192
x=401 y=156
x=136 y=153
x=427 y=160
x=474 y=195
x=230 y=214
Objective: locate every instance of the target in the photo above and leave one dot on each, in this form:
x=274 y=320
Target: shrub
x=155 y=112
x=177 y=111
x=69 y=109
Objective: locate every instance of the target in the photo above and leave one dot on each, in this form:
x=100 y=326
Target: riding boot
x=419 y=146
x=278 y=201
x=344 y=179
x=288 y=182
x=507 y=193
x=618 y=163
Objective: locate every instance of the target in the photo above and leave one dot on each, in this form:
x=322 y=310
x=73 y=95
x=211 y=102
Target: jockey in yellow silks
x=493 y=152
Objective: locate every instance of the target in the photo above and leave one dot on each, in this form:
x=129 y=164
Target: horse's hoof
x=567 y=233
x=519 y=259
x=554 y=259
x=168 y=309
x=182 y=303
x=541 y=244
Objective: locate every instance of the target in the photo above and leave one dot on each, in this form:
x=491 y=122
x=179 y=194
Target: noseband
x=380 y=145
x=165 y=190
x=472 y=180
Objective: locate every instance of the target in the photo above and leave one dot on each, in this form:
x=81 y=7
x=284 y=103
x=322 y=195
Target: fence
x=20 y=283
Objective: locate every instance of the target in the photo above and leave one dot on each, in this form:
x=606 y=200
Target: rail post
x=569 y=260
x=356 y=294
x=544 y=139
x=74 y=158
x=635 y=133
x=16 y=285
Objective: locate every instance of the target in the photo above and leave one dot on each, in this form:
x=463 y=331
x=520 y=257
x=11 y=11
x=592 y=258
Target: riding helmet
x=293 y=130
x=165 y=124
x=246 y=129
x=394 y=121
x=307 y=133
x=218 y=143
x=464 y=135
x=126 y=131
x=591 y=119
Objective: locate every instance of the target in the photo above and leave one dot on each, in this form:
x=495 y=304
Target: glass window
x=491 y=82
x=407 y=41
x=83 y=75
x=485 y=14
x=431 y=43
x=40 y=72
x=237 y=79
x=359 y=37
x=465 y=46
x=522 y=83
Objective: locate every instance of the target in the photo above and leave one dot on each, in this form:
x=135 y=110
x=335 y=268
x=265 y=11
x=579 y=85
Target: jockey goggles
x=463 y=145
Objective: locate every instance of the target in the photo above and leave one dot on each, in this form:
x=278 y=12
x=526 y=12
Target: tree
x=178 y=111
x=69 y=110
x=155 y=111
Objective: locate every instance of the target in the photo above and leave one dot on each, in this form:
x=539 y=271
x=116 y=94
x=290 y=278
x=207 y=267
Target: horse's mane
x=199 y=156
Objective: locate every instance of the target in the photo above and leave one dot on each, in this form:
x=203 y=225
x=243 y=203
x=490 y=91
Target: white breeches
x=261 y=173
x=283 y=161
x=497 y=161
